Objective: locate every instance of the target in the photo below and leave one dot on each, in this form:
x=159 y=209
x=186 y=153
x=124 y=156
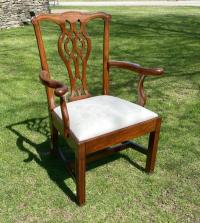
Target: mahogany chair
x=91 y=125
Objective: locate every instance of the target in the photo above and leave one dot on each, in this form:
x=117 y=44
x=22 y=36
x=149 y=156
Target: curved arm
x=60 y=91
x=143 y=72
x=136 y=67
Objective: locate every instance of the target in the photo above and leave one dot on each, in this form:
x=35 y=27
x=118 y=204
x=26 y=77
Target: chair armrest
x=60 y=91
x=143 y=72
x=136 y=67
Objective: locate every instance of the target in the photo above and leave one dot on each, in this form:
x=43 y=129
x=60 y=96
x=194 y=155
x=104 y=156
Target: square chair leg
x=54 y=139
x=80 y=174
x=152 y=148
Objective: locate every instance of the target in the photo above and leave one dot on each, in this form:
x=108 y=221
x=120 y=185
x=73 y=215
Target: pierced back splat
x=76 y=56
x=74 y=47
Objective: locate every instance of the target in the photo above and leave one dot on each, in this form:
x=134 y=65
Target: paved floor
x=131 y=3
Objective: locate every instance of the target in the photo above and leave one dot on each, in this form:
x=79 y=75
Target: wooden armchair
x=91 y=125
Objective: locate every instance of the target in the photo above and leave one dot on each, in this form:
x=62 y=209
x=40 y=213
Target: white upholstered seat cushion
x=95 y=116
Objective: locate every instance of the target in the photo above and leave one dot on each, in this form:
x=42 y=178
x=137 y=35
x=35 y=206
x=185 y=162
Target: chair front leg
x=152 y=148
x=80 y=174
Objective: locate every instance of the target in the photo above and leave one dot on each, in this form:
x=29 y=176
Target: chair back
x=74 y=48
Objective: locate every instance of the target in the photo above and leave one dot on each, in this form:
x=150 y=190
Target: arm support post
x=60 y=90
x=143 y=72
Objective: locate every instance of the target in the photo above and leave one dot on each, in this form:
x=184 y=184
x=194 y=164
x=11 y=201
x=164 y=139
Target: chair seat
x=95 y=116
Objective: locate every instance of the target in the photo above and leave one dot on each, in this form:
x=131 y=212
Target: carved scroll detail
x=77 y=55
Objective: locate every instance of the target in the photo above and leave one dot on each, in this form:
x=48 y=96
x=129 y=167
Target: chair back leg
x=54 y=139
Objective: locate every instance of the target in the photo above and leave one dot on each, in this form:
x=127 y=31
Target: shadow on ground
x=54 y=166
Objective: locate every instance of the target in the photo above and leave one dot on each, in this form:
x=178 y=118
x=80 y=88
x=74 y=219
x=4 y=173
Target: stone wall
x=14 y=13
